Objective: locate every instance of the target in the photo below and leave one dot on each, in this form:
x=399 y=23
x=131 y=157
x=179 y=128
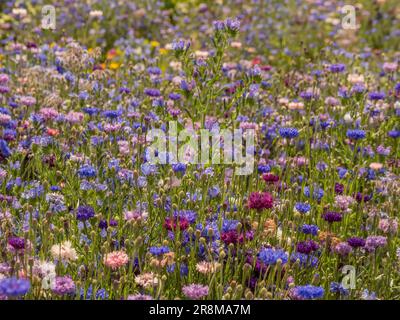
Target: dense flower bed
x=86 y=214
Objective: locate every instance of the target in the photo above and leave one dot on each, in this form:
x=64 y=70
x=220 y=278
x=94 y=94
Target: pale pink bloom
x=74 y=117
x=4 y=118
x=207 y=267
x=108 y=127
x=147 y=280
x=28 y=101
x=376 y=165
x=116 y=259
x=48 y=113
x=331 y=101
x=135 y=215
x=388 y=225
x=390 y=66
x=123 y=146
x=4 y=78
x=343 y=202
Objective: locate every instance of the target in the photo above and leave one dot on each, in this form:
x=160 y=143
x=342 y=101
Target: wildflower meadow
x=199 y=150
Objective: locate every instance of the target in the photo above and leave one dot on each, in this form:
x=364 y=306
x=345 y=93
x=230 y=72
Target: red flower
x=270 y=178
x=260 y=201
x=173 y=223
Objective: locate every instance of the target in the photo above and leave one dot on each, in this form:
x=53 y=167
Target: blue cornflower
x=158 y=251
x=263 y=168
x=152 y=92
x=318 y=193
x=90 y=110
x=309 y=229
x=394 y=134
x=229 y=225
x=355 y=134
x=302 y=207
x=337 y=68
x=271 y=256
x=112 y=114
x=184 y=270
x=154 y=70
x=101 y=294
x=305 y=259
x=87 y=171
x=179 y=167
x=4 y=149
x=397 y=88
x=342 y=172
x=337 y=287
x=148 y=169
x=174 y=96
x=189 y=215
x=289 y=133
x=13 y=287
x=308 y=292
x=180 y=45
x=376 y=96
x=213 y=191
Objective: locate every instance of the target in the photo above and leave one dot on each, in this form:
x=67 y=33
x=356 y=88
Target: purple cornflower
x=374 y=242
x=195 y=291
x=339 y=188
x=337 y=68
x=356 y=242
x=17 y=243
x=307 y=246
x=233 y=25
x=84 y=213
x=332 y=216
x=343 y=248
x=64 y=285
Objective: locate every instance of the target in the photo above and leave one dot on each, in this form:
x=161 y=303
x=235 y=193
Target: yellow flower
x=163 y=51
x=154 y=43
x=114 y=65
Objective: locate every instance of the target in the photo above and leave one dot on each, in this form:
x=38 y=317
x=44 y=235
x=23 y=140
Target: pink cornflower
x=388 y=225
x=4 y=78
x=28 y=101
x=48 y=113
x=4 y=118
x=116 y=259
x=343 y=202
x=205 y=267
x=390 y=66
x=195 y=291
x=74 y=117
x=147 y=280
x=64 y=285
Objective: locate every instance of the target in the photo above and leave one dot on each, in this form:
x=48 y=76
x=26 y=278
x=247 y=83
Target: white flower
x=64 y=251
